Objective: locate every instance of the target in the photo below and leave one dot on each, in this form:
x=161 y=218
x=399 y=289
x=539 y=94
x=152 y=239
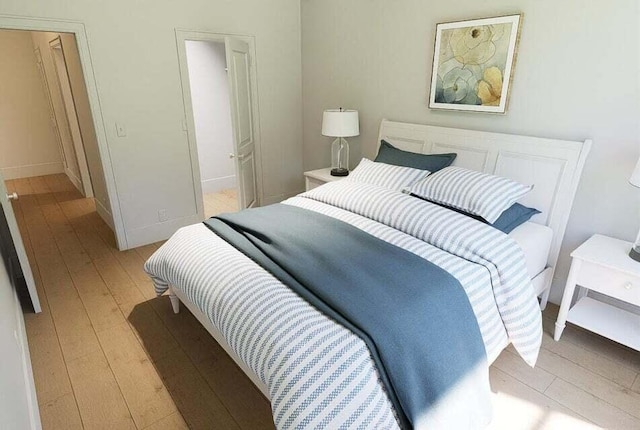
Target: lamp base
x=339 y=171
x=634 y=254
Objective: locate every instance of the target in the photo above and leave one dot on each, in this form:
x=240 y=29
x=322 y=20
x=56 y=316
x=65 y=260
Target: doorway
x=48 y=138
x=211 y=107
x=219 y=91
x=88 y=109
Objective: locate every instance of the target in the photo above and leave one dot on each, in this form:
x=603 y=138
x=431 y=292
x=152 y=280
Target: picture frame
x=473 y=64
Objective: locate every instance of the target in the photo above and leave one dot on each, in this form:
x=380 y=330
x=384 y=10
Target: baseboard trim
x=74 y=180
x=218 y=184
x=31 y=170
x=159 y=231
x=104 y=214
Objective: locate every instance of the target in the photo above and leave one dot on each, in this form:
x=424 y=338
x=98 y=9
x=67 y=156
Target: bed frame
x=553 y=166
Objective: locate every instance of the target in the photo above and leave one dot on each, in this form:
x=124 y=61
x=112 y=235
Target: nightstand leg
x=566 y=298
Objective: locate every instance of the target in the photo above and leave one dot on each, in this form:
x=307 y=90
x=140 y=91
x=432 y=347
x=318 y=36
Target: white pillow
x=386 y=175
x=473 y=192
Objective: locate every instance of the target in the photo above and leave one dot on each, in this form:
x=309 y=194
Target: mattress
x=535 y=241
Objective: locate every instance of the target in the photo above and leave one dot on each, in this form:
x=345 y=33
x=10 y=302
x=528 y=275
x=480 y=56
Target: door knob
x=12 y=196
x=232 y=155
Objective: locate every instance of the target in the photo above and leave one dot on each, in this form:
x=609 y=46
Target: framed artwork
x=473 y=64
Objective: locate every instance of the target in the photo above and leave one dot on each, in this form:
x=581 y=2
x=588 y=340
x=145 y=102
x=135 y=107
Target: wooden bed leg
x=545 y=298
x=175 y=301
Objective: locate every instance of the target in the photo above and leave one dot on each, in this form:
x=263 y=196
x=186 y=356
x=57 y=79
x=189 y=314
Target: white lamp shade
x=635 y=176
x=340 y=123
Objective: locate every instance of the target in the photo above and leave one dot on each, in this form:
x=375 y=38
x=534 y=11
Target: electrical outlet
x=121 y=130
x=162 y=215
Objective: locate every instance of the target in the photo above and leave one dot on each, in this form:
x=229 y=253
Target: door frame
x=81 y=156
x=8 y=22
x=189 y=122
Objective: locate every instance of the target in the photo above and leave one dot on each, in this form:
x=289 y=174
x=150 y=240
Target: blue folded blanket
x=414 y=317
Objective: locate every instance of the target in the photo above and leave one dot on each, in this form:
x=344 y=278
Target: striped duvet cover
x=318 y=373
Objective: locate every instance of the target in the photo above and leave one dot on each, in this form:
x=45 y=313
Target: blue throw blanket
x=414 y=316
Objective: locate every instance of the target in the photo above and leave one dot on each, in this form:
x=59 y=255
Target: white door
x=239 y=70
x=79 y=175
x=52 y=114
x=18 y=245
x=18 y=403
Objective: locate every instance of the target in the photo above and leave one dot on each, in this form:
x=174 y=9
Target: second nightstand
x=315 y=178
x=601 y=264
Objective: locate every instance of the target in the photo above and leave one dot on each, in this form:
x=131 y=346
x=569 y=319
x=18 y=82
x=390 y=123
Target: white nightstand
x=315 y=178
x=602 y=264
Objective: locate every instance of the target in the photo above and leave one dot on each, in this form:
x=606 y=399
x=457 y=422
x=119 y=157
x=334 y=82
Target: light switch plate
x=121 y=130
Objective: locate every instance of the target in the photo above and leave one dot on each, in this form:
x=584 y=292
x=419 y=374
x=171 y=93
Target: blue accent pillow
x=511 y=218
x=389 y=154
x=514 y=216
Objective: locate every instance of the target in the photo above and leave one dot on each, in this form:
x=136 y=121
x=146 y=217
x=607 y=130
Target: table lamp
x=340 y=123
x=635 y=181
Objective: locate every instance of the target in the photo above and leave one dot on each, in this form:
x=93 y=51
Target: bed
x=280 y=341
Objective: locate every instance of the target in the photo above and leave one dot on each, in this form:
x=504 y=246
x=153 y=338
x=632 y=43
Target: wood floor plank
x=596 y=362
x=93 y=245
x=145 y=251
x=245 y=402
x=515 y=366
x=149 y=329
x=133 y=264
x=594 y=384
x=636 y=384
x=102 y=309
x=590 y=406
x=194 y=339
x=120 y=284
x=200 y=407
x=219 y=202
x=61 y=413
x=76 y=334
x=518 y=406
x=99 y=399
x=172 y=422
x=41 y=323
x=602 y=346
x=142 y=388
x=49 y=369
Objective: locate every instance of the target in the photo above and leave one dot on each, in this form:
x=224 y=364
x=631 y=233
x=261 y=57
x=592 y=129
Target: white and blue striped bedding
x=386 y=175
x=319 y=374
x=473 y=192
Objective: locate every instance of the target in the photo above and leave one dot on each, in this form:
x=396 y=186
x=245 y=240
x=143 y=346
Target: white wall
x=41 y=40
x=212 y=114
x=28 y=145
x=135 y=60
x=576 y=77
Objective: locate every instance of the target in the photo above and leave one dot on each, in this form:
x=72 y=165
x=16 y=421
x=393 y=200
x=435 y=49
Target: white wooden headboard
x=553 y=166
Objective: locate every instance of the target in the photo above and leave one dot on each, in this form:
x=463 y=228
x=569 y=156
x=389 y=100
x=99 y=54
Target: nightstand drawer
x=610 y=282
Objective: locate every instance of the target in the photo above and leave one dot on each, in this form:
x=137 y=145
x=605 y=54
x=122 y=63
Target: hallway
x=106 y=353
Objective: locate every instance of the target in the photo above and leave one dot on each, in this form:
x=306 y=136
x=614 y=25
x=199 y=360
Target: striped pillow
x=386 y=175
x=474 y=192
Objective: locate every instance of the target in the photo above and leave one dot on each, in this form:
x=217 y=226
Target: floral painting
x=473 y=64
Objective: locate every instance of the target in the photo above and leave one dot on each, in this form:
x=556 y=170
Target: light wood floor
x=108 y=354
x=222 y=201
